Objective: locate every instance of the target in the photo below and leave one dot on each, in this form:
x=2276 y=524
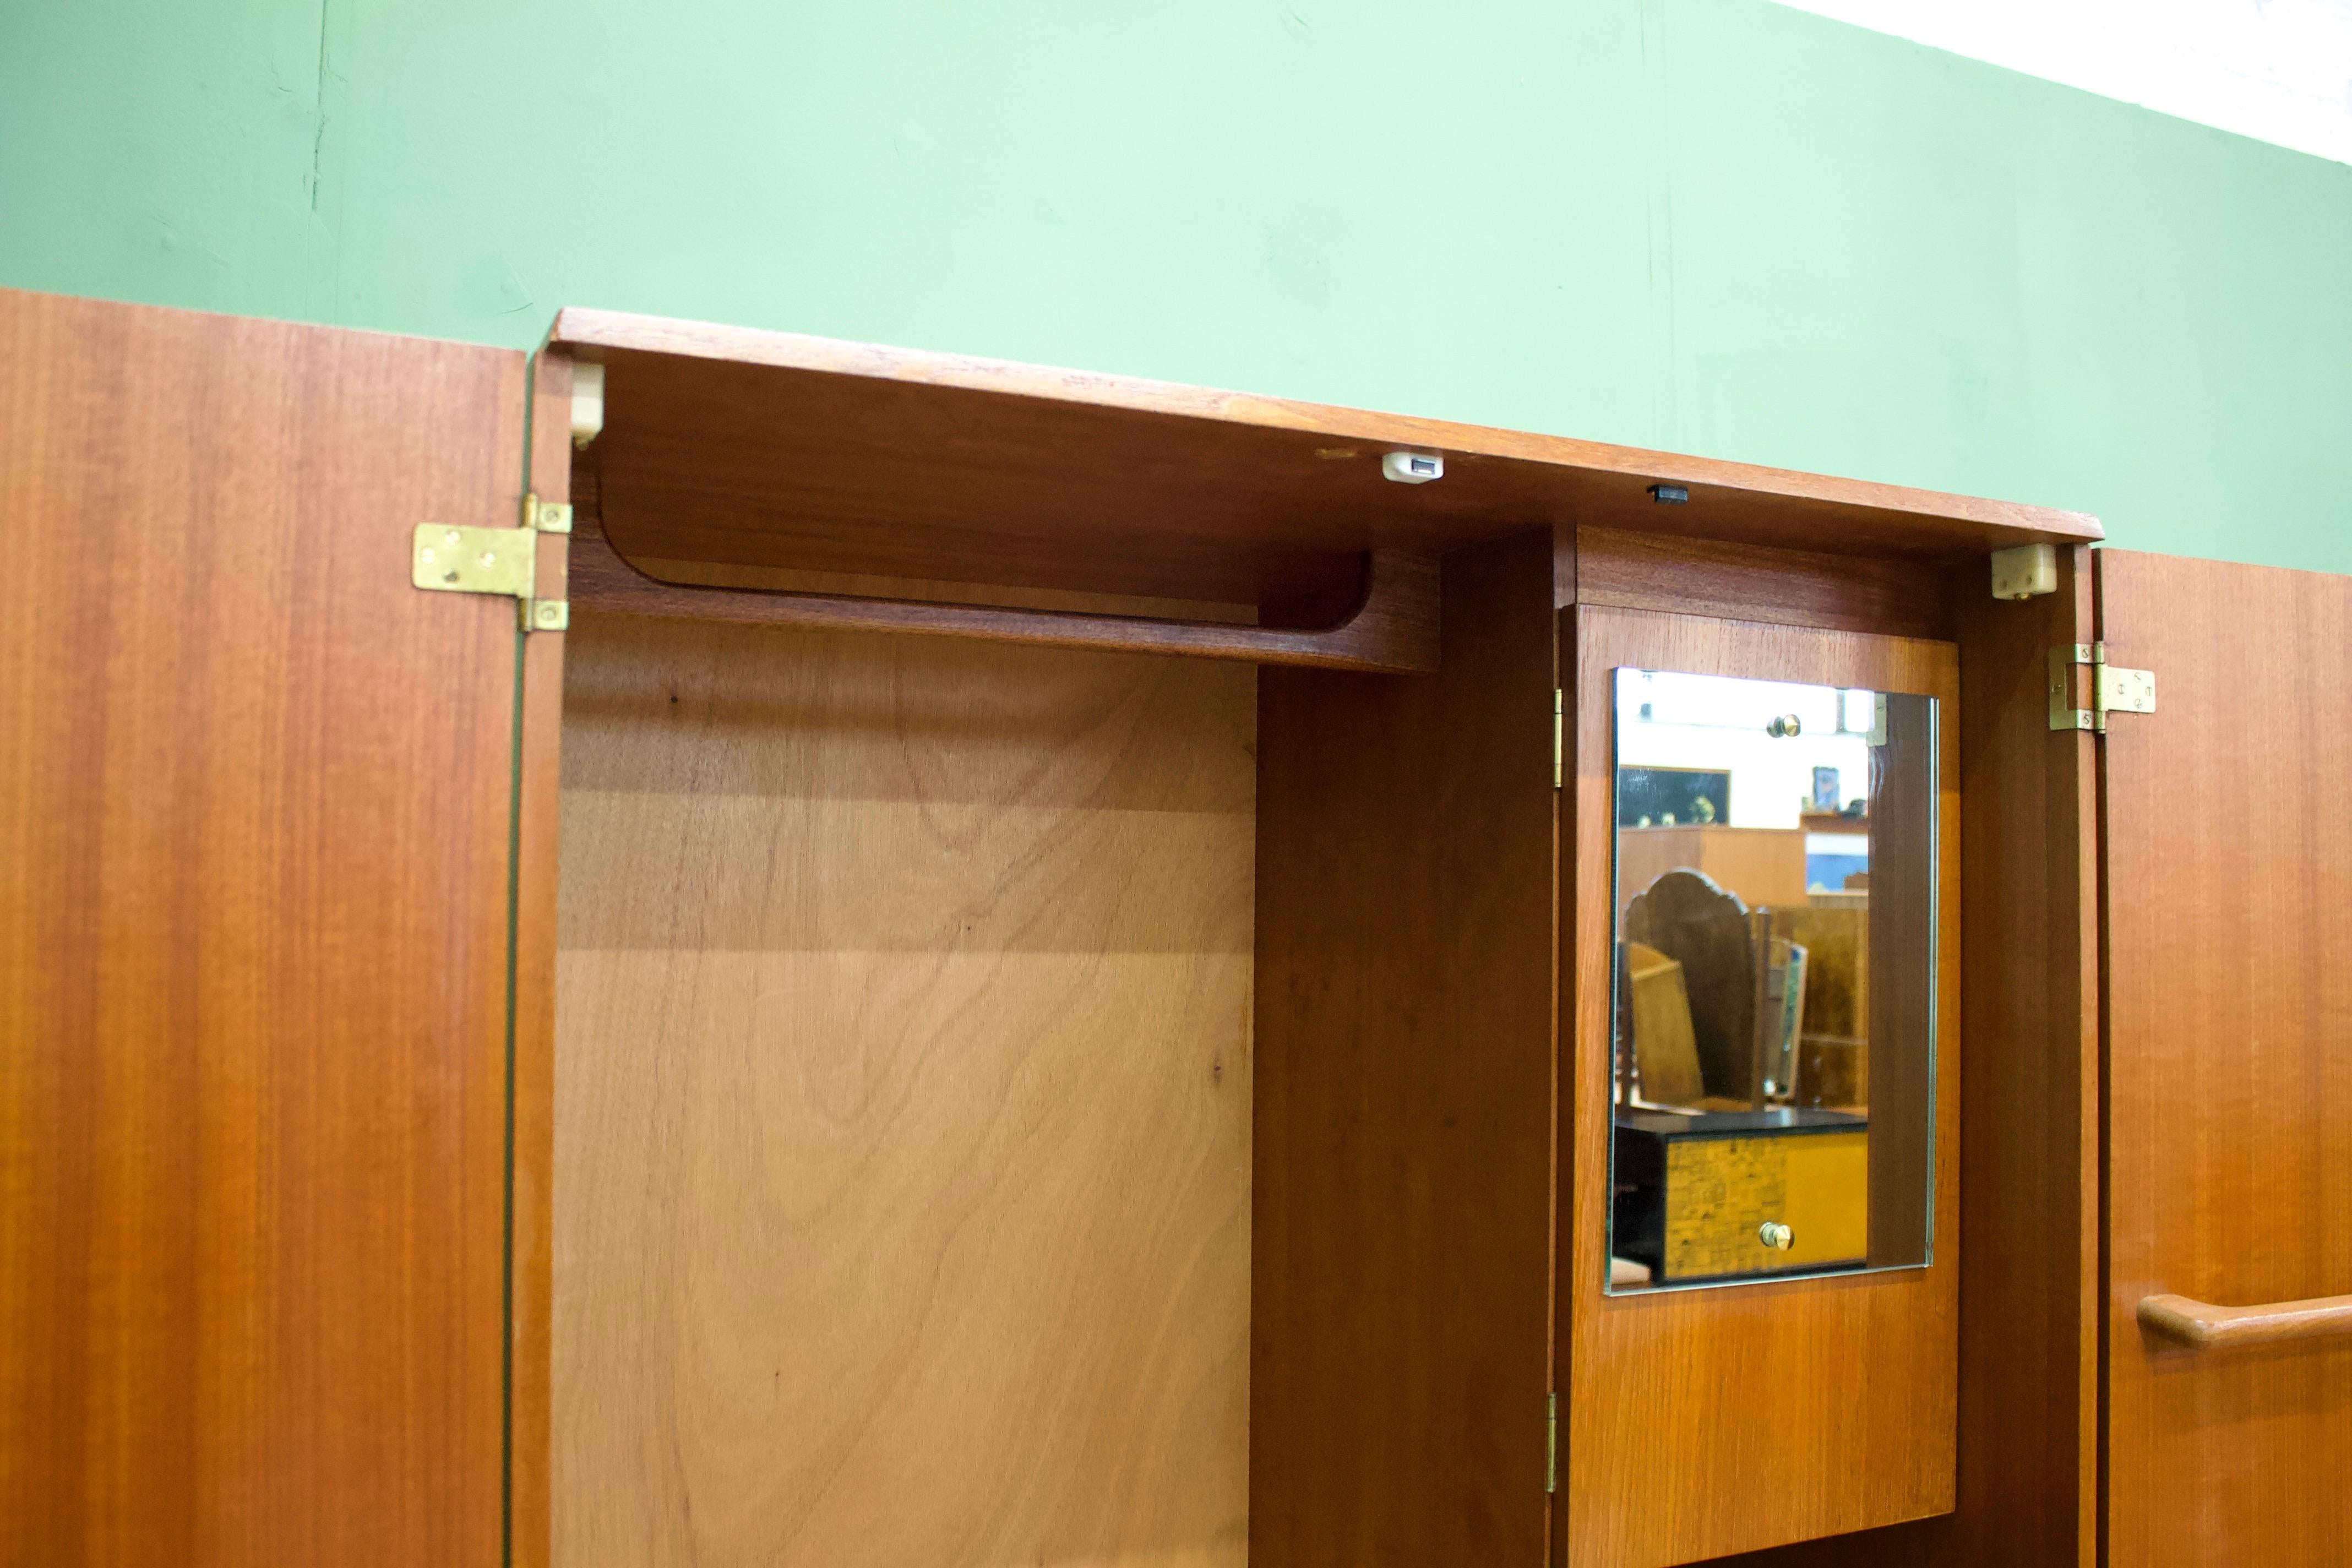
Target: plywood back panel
x=902 y=1162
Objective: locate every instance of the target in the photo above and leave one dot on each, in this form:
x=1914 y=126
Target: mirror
x=1773 y=1075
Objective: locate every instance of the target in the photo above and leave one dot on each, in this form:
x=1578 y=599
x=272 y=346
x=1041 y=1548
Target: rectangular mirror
x=1775 y=905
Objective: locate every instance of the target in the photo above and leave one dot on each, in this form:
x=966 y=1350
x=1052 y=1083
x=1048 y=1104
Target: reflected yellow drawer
x=1720 y=1192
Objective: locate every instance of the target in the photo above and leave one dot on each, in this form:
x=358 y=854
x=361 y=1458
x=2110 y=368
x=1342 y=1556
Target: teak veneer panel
x=1699 y=1423
x=1909 y=864
x=1380 y=614
x=903 y=1131
x=756 y=448
x=538 y=849
x=1901 y=595
x=1393 y=626
x=1405 y=1081
x=2229 y=862
x=894 y=1203
x=2031 y=1181
x=257 y=795
x=2030 y=1156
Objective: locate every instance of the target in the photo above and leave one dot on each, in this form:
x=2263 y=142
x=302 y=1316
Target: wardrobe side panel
x=903 y=1103
x=1406 y=831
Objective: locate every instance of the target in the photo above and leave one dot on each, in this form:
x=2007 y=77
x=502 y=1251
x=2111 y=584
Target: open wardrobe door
x=2229 y=916
x=258 y=799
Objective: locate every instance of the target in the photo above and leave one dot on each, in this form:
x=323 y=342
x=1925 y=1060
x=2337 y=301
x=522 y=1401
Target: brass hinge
x=1558 y=733
x=2113 y=688
x=451 y=558
x=1551 y=1442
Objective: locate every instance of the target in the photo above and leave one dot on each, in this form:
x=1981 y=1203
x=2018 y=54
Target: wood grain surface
x=1840 y=590
x=1707 y=929
x=2030 y=1096
x=1391 y=624
x=1405 y=1027
x=1697 y=1424
x=1758 y=864
x=2031 y=1174
x=2030 y=1156
x=538 y=848
x=756 y=448
x=2229 y=999
x=256 y=791
x=2201 y=1325
x=902 y=1149
x=1907 y=966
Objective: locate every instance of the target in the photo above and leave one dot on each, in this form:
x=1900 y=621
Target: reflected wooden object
x=1833 y=1072
x=1759 y=865
x=1665 y=1053
x=2200 y=1325
x=1686 y=917
x=1781 y=1020
x=1833 y=1051
x=1694 y=1192
x=1837 y=969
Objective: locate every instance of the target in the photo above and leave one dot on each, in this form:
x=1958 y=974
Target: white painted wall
x=2279 y=70
x=1717 y=724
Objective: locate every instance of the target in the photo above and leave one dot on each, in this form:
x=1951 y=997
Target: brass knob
x=1775 y=1235
x=1785 y=725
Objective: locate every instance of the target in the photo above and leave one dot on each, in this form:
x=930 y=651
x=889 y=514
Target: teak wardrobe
x=980 y=966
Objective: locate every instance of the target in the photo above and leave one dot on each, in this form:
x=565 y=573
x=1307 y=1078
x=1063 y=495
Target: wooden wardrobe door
x=257 y=798
x=2229 y=920
x=1699 y=1423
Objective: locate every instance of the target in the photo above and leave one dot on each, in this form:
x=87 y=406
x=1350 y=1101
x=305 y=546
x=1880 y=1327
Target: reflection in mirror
x=1773 y=1068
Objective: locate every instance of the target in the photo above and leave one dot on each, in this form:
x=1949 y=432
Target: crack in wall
x=322 y=240
x=319 y=108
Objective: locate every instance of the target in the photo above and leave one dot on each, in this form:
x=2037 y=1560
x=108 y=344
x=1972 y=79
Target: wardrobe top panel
x=763 y=448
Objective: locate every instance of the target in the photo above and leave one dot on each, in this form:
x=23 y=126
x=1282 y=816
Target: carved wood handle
x=2201 y=1325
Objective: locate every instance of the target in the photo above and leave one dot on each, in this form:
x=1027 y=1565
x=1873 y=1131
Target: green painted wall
x=1711 y=225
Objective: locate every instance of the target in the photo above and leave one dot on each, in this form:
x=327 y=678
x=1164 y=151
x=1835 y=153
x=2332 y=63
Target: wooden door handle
x=2201 y=1325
